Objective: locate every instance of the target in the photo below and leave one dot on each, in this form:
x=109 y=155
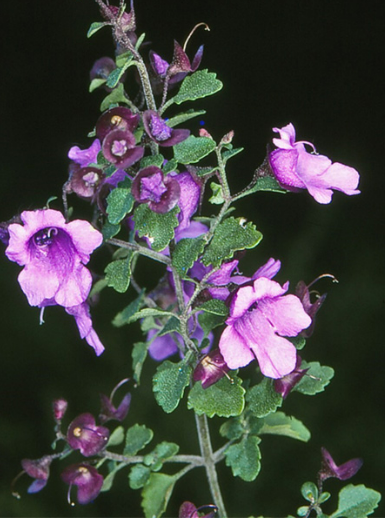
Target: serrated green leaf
x=95 y=27
x=123 y=317
x=118 y=274
x=114 y=98
x=156 y=494
x=193 y=149
x=200 y=84
x=214 y=306
x=231 y=235
x=224 y=399
x=117 y=437
x=169 y=383
x=216 y=198
x=230 y=153
x=316 y=379
x=209 y=321
x=244 y=458
x=137 y=437
x=139 y=355
x=281 y=424
x=158 y=228
x=109 y=230
x=183 y=117
x=163 y=451
x=120 y=202
x=139 y=476
x=96 y=83
x=186 y=253
x=263 y=399
x=356 y=502
x=156 y=160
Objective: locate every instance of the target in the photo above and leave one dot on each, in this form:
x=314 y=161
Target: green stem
x=193 y=460
x=207 y=454
x=156 y=256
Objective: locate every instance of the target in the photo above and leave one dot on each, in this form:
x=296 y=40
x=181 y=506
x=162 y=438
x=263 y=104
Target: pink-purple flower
x=330 y=469
x=39 y=470
x=295 y=168
x=159 y=131
x=84 y=435
x=87 y=479
x=160 y=192
x=261 y=316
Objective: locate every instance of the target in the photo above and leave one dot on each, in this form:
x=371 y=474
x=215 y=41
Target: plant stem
x=207 y=454
x=141 y=250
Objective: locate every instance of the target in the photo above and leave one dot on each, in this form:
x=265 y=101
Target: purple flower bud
x=330 y=469
x=158 y=64
x=157 y=129
x=160 y=192
x=311 y=308
x=59 y=407
x=84 y=435
x=118 y=118
x=86 y=478
x=286 y=384
x=109 y=411
x=39 y=470
x=210 y=369
x=119 y=148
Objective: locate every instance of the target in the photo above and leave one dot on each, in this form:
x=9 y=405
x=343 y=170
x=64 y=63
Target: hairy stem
x=160 y=258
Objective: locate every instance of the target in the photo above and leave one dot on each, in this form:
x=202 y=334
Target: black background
x=316 y=64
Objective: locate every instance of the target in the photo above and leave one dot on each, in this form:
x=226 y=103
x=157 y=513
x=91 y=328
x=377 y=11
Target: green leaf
x=281 y=424
x=94 y=27
x=95 y=83
x=156 y=160
x=124 y=317
x=309 y=491
x=139 y=355
x=109 y=479
x=186 y=253
x=209 y=321
x=230 y=153
x=232 y=429
x=316 y=379
x=231 y=235
x=97 y=287
x=356 y=502
x=216 y=198
x=193 y=149
x=109 y=230
x=169 y=383
x=163 y=451
x=172 y=326
x=156 y=494
x=158 y=228
x=114 y=98
x=120 y=202
x=118 y=274
x=138 y=476
x=263 y=399
x=198 y=85
x=170 y=165
x=214 y=306
x=115 y=76
x=183 y=117
x=265 y=183
x=224 y=399
x=150 y=312
x=244 y=458
x=136 y=439
x=117 y=437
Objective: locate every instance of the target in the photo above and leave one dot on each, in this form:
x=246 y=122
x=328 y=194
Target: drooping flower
x=87 y=479
x=286 y=384
x=158 y=130
x=297 y=169
x=85 y=157
x=188 y=510
x=261 y=316
x=330 y=469
x=83 y=320
x=84 y=435
x=109 y=411
x=311 y=308
x=210 y=369
x=39 y=470
x=160 y=192
x=119 y=148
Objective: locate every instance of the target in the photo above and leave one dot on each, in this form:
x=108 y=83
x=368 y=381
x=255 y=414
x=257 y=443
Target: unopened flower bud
x=59 y=407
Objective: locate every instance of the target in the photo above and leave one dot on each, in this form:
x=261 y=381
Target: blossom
x=119 y=148
x=261 y=316
x=86 y=478
x=188 y=510
x=330 y=469
x=297 y=169
x=160 y=192
x=286 y=384
x=39 y=470
x=118 y=118
x=210 y=369
x=311 y=308
x=109 y=411
x=158 y=130
x=180 y=65
x=84 y=157
x=83 y=320
x=84 y=435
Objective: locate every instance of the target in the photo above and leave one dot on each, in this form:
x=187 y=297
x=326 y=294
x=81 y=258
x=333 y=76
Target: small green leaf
x=109 y=230
x=230 y=153
x=214 y=306
x=193 y=149
x=281 y=424
x=216 y=198
x=156 y=160
x=169 y=383
x=170 y=165
x=224 y=399
x=316 y=379
x=94 y=27
x=138 y=476
x=198 y=85
x=114 y=98
x=232 y=429
x=265 y=183
x=309 y=491
x=244 y=458
x=158 y=228
x=139 y=355
x=231 y=235
x=209 y=321
x=183 y=117
x=118 y=274
x=95 y=83
x=124 y=317
x=356 y=502
x=117 y=437
x=186 y=253
x=156 y=494
x=163 y=451
x=150 y=312
x=120 y=202
x=172 y=326
x=263 y=399
x=116 y=75
x=137 y=437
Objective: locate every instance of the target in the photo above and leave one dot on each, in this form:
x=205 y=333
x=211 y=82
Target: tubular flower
x=86 y=478
x=330 y=469
x=84 y=435
x=286 y=384
x=297 y=169
x=109 y=411
x=261 y=316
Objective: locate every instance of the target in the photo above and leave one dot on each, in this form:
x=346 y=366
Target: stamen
x=71 y=503
x=41 y=318
x=13 y=492
x=125 y=380
x=329 y=275
x=207 y=28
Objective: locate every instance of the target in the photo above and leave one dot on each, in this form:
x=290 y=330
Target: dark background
x=314 y=63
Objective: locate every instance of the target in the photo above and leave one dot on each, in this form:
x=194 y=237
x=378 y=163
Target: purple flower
x=330 y=469
x=188 y=510
x=84 y=157
x=39 y=470
x=311 y=308
x=210 y=369
x=59 y=407
x=179 y=67
x=297 y=169
x=160 y=192
x=286 y=384
x=190 y=191
x=119 y=148
x=84 y=181
x=86 y=478
x=260 y=316
x=158 y=130
x=109 y=411
x=84 y=435
x=118 y=118
x=83 y=320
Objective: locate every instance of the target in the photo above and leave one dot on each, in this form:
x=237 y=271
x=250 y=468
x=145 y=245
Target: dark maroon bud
x=119 y=148
x=160 y=192
x=210 y=369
